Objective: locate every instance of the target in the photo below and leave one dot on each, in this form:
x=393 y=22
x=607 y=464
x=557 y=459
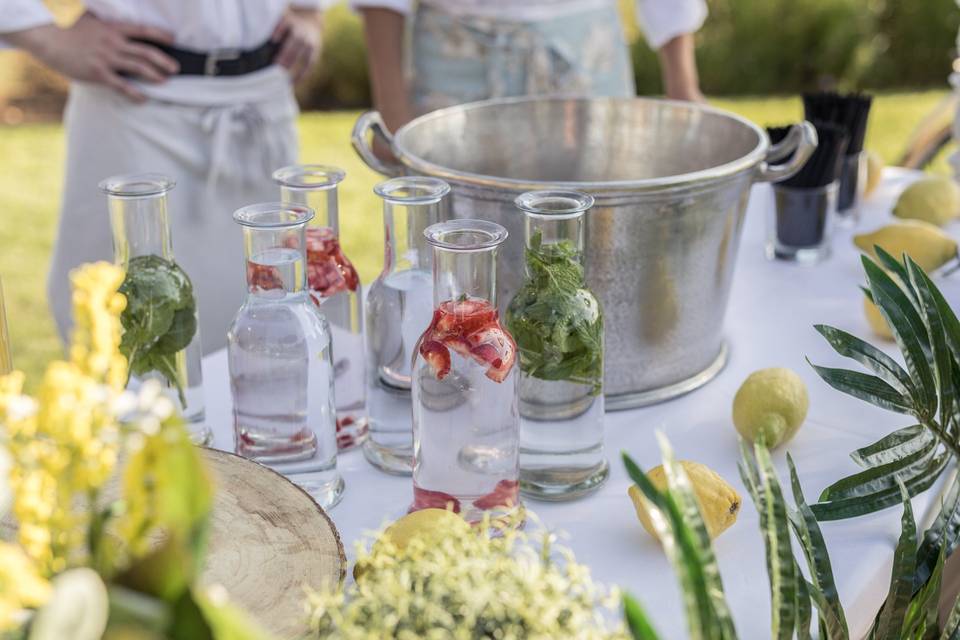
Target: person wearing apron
x=198 y=91
x=435 y=53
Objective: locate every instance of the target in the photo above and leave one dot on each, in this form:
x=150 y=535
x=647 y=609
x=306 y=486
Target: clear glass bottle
x=558 y=327
x=466 y=427
x=334 y=283
x=399 y=305
x=161 y=336
x=279 y=353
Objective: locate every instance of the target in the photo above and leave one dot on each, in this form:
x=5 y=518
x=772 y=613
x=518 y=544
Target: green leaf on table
x=814 y=548
x=920 y=479
x=890 y=623
x=637 y=622
x=942 y=536
x=865 y=387
x=921 y=619
x=882 y=476
x=880 y=363
x=893 y=447
x=687 y=545
x=908 y=330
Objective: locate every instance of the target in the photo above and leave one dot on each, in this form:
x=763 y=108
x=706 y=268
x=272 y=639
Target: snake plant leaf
x=943 y=534
x=872 y=358
x=802 y=606
x=889 y=625
x=708 y=616
x=880 y=477
x=922 y=480
x=761 y=479
x=951 y=630
x=908 y=330
x=818 y=560
x=637 y=621
x=865 y=387
x=921 y=619
x=894 y=446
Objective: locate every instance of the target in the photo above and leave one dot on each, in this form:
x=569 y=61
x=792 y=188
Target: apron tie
x=244 y=145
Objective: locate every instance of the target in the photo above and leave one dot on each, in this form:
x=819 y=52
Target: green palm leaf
x=890 y=623
x=894 y=446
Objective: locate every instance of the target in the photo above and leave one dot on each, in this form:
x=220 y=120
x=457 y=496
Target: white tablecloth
x=773 y=308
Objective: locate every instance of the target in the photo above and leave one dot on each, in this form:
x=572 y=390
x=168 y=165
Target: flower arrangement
x=465 y=583
x=83 y=566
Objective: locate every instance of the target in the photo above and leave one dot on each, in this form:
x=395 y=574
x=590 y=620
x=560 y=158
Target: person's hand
x=101 y=51
x=298 y=34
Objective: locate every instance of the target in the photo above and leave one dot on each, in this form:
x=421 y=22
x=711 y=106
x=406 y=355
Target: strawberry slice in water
x=263 y=277
x=437 y=356
x=329 y=271
x=472 y=329
x=504 y=494
x=427 y=499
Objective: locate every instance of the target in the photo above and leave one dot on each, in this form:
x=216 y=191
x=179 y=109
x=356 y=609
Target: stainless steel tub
x=671 y=182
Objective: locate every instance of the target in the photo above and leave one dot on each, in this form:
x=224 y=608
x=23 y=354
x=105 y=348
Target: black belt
x=222 y=62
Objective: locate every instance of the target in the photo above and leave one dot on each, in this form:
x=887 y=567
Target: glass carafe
x=399 y=305
x=558 y=327
x=279 y=353
x=465 y=420
x=161 y=334
x=333 y=282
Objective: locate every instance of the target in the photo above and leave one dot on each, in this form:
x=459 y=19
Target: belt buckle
x=216 y=57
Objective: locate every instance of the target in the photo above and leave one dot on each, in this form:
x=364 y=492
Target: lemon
x=428 y=524
x=719 y=502
x=874 y=172
x=878 y=324
x=929 y=247
x=772 y=404
x=934 y=199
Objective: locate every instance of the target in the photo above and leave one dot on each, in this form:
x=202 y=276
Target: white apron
x=218 y=138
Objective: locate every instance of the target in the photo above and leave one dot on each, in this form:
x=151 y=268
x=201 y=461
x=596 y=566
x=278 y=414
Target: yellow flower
x=21 y=586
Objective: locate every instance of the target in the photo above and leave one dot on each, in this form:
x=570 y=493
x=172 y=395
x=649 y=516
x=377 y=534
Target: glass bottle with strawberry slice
x=334 y=285
x=465 y=414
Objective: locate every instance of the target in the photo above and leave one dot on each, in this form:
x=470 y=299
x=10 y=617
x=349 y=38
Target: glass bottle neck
x=275 y=260
x=141 y=226
x=554 y=239
x=459 y=274
x=323 y=200
x=404 y=246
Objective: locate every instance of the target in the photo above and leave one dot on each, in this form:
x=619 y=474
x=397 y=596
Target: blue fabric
x=457 y=59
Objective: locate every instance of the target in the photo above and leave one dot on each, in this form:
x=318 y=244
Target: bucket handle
x=372 y=121
x=801 y=141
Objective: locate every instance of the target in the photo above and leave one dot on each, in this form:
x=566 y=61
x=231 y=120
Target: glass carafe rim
x=298 y=176
x=256 y=216
x=137 y=185
x=484 y=234
x=419 y=190
x=554 y=204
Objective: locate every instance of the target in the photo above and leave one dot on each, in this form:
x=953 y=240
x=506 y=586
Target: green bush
x=341 y=78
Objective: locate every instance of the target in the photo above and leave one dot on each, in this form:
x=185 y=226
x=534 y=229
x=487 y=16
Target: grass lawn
x=30 y=194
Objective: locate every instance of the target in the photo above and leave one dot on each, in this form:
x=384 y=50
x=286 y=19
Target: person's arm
x=384 y=29
x=678 y=65
x=668 y=26
x=98 y=51
x=299 y=31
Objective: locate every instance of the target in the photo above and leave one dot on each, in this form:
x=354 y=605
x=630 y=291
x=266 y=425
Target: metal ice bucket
x=671 y=182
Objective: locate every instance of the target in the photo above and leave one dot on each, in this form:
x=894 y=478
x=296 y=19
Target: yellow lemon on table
x=428 y=524
x=934 y=199
x=772 y=404
x=929 y=247
x=719 y=502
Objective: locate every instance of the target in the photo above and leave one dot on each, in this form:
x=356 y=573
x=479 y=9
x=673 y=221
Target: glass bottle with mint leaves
x=161 y=335
x=558 y=327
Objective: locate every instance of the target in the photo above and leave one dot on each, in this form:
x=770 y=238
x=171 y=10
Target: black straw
x=849 y=111
x=825 y=163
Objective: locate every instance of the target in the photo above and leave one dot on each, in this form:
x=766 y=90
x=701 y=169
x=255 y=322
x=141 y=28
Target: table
x=773 y=308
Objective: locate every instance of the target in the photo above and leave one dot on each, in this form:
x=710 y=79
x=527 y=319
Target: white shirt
x=660 y=20
x=201 y=25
